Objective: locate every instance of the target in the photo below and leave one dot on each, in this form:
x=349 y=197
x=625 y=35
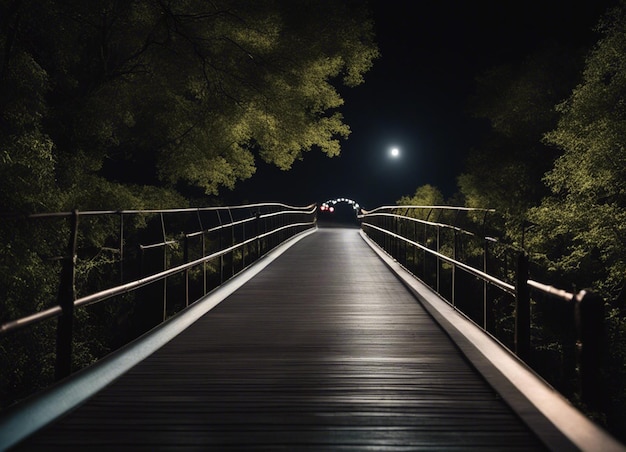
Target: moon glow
x=395 y=152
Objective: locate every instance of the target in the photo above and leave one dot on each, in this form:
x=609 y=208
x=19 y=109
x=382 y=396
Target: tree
x=581 y=225
x=585 y=212
x=122 y=104
x=26 y=150
x=505 y=172
x=177 y=93
x=426 y=195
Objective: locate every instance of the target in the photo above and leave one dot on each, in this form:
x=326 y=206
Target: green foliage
x=580 y=233
x=469 y=225
x=586 y=212
x=615 y=377
x=162 y=93
x=426 y=195
x=505 y=172
x=28 y=284
x=27 y=159
x=563 y=169
x=108 y=105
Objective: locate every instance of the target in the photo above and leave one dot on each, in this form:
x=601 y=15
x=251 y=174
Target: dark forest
x=151 y=104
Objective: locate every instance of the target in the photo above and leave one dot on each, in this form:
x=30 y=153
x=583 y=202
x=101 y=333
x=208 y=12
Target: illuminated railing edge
x=56 y=310
x=588 y=307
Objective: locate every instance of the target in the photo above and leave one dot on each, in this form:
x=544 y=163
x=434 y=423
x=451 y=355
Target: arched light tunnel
x=339 y=210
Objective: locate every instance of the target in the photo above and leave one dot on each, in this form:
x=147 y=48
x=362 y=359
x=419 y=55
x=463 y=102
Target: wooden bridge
x=324 y=349
x=324 y=344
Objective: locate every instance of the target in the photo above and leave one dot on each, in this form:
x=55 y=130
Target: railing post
x=415 y=248
x=386 y=221
x=438 y=261
x=243 y=248
x=257 y=228
x=232 y=243
x=203 y=252
x=164 y=267
x=424 y=253
x=454 y=256
x=141 y=259
x=570 y=376
x=486 y=307
x=487 y=311
x=220 y=246
x=204 y=266
x=186 y=259
x=121 y=247
x=522 y=308
x=395 y=248
x=589 y=317
x=66 y=297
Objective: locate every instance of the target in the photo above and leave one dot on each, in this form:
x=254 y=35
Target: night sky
x=415 y=97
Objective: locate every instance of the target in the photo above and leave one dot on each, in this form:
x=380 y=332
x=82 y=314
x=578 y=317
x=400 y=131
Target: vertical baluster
x=66 y=298
x=220 y=245
x=121 y=247
x=164 y=267
x=589 y=314
x=186 y=260
x=486 y=307
x=522 y=308
x=257 y=228
x=454 y=257
x=232 y=242
x=438 y=260
x=203 y=252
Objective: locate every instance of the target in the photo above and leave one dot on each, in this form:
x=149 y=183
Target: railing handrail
x=458 y=208
x=587 y=308
x=551 y=290
x=56 y=311
x=64 y=214
x=102 y=295
x=509 y=288
x=473 y=271
x=234 y=223
x=418 y=220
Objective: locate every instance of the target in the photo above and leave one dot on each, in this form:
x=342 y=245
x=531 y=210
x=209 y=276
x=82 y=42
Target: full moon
x=395 y=152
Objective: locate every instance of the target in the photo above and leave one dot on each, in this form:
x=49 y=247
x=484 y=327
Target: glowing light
x=328 y=206
x=395 y=152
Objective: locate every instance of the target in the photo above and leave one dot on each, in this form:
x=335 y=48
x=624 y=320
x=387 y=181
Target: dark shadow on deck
x=323 y=350
x=343 y=216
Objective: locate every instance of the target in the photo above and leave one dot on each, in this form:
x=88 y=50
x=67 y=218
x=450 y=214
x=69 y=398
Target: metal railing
x=206 y=246
x=432 y=240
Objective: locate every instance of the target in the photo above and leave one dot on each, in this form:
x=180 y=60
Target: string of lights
x=329 y=206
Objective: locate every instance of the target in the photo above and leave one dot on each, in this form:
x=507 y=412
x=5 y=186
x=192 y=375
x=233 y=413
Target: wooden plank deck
x=323 y=350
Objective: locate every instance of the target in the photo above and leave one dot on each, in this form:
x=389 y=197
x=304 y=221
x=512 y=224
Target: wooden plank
x=324 y=349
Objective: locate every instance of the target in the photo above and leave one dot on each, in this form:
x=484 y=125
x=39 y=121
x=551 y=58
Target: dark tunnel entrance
x=339 y=212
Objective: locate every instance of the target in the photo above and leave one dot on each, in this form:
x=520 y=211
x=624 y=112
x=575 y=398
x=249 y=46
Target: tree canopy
x=582 y=222
x=555 y=161
x=131 y=104
x=426 y=195
x=505 y=170
x=107 y=96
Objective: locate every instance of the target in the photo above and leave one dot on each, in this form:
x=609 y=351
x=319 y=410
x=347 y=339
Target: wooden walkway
x=323 y=350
